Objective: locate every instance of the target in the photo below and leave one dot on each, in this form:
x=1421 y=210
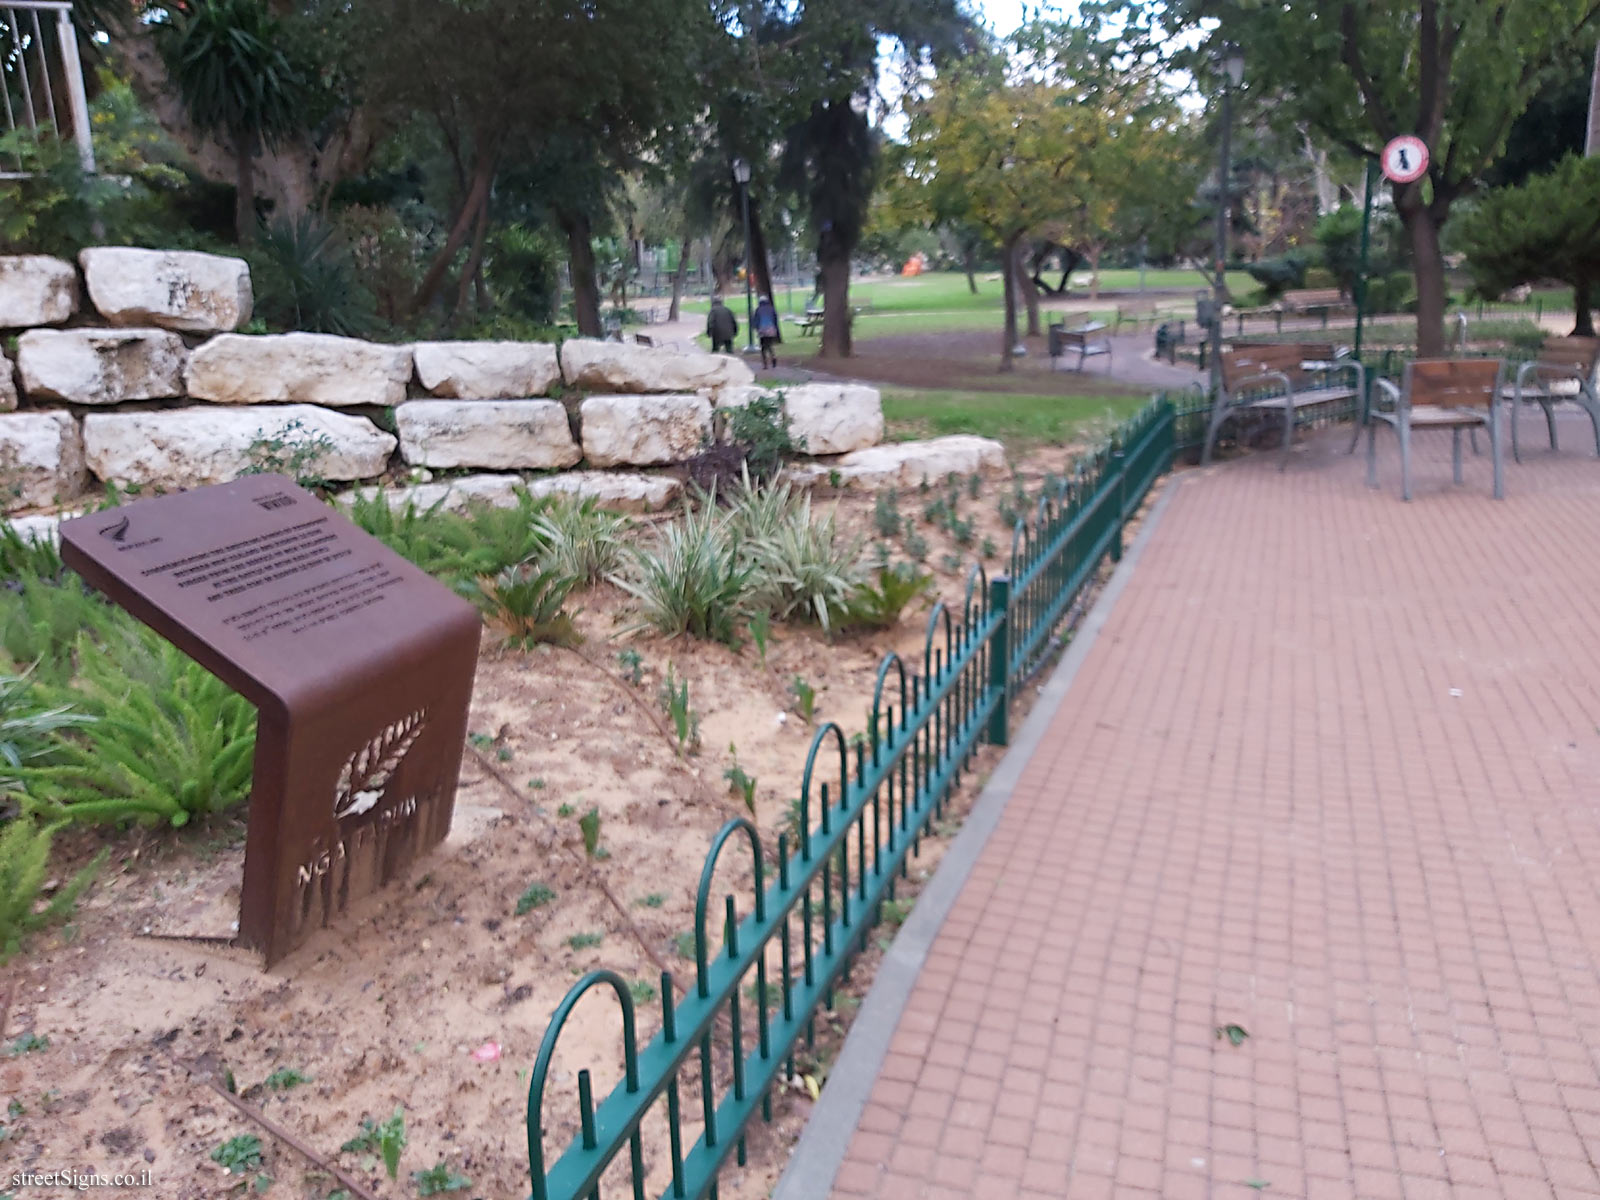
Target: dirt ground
x=433 y=996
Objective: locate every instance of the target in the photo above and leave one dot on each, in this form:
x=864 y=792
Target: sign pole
x=1361 y=270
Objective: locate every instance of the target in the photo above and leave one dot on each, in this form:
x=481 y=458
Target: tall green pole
x=1366 y=241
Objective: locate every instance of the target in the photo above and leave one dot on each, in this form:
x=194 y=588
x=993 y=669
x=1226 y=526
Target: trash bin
x=1056 y=350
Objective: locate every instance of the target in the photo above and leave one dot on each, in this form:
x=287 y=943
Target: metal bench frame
x=1536 y=377
x=1239 y=395
x=1403 y=415
x=1066 y=341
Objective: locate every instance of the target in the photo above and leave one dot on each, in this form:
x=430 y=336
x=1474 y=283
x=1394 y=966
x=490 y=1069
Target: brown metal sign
x=359 y=664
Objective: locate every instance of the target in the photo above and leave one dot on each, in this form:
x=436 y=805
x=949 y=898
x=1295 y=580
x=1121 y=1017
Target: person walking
x=721 y=327
x=766 y=322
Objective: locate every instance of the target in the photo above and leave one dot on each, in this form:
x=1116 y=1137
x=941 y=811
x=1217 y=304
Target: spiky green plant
x=41 y=621
x=24 y=861
x=169 y=741
x=759 y=510
x=879 y=601
x=694 y=580
x=808 y=567
x=27 y=557
x=524 y=604
x=585 y=541
x=27 y=726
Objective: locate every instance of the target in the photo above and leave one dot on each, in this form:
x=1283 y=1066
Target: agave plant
x=695 y=579
x=524 y=603
x=809 y=567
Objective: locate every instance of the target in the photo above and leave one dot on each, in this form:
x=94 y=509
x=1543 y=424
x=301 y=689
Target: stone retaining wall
x=128 y=368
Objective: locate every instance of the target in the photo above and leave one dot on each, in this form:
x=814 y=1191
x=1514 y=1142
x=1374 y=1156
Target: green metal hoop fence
x=872 y=799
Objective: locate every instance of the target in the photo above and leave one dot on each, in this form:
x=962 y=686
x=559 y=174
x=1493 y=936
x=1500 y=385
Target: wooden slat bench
x=1440 y=393
x=1309 y=300
x=1265 y=376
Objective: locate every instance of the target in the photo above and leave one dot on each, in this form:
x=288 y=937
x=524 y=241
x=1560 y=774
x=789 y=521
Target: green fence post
x=1000 y=659
x=1119 y=465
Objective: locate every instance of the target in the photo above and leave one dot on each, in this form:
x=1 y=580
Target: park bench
x=1086 y=342
x=1287 y=376
x=1440 y=393
x=1308 y=300
x=812 y=320
x=1563 y=370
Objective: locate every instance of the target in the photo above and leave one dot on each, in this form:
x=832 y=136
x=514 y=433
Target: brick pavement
x=1332 y=773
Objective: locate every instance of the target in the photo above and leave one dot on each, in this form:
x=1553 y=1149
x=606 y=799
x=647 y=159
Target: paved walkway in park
x=1329 y=772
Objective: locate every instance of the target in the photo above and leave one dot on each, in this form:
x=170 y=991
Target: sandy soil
x=147 y=1021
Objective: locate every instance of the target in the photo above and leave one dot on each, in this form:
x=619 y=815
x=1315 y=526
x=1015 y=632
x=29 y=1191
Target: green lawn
x=947 y=292
x=1020 y=421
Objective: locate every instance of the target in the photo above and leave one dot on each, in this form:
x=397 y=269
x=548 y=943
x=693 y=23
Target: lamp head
x=741 y=170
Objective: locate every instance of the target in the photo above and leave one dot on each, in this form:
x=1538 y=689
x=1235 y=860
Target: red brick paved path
x=1332 y=772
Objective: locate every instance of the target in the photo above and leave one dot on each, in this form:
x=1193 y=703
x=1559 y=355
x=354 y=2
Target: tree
x=1364 y=71
x=236 y=79
x=513 y=81
x=1547 y=227
x=1002 y=151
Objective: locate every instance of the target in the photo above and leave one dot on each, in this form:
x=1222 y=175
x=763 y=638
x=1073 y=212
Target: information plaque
x=360 y=667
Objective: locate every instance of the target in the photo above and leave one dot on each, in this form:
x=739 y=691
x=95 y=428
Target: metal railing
x=31 y=75
x=783 y=953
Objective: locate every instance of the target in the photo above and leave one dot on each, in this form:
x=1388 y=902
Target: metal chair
x=1265 y=376
x=1441 y=393
x=1563 y=370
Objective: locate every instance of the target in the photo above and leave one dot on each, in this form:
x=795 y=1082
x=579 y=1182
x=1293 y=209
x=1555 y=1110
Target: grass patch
x=1020 y=421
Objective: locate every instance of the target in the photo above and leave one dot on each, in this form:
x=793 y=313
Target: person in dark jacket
x=721 y=327
x=766 y=323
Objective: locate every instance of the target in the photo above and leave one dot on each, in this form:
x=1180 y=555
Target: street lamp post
x=1233 y=76
x=741 y=172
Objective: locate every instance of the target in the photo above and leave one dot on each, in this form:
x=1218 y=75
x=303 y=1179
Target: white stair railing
x=30 y=74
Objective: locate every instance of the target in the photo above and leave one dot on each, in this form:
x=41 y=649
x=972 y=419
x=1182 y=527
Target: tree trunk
x=580 y=261
x=1427 y=262
x=1030 y=293
x=1095 y=251
x=969 y=264
x=1008 y=258
x=244 y=200
x=833 y=271
x=1321 y=178
x=474 y=260
x=1582 y=298
x=760 y=265
x=1591 y=140
x=429 y=287
x=679 y=277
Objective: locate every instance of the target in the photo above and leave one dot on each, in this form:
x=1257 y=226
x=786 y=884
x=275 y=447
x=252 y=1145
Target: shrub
x=524 y=603
x=693 y=580
x=24 y=861
x=1394 y=292
x=761 y=429
x=757 y=511
x=26 y=726
x=305 y=278
x=583 y=539
x=879 y=602
x=23 y=557
x=41 y=621
x=808 y=567
x=168 y=742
